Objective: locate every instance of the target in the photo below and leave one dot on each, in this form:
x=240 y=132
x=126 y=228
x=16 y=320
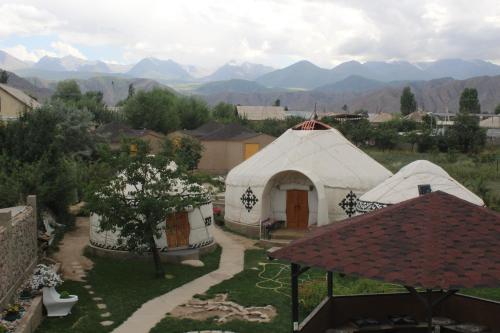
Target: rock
x=193 y=263
x=101 y=306
x=107 y=323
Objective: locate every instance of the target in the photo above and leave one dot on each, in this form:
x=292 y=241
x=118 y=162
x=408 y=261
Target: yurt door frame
x=178 y=230
x=297 y=209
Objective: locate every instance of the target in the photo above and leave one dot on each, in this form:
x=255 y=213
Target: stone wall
x=18 y=247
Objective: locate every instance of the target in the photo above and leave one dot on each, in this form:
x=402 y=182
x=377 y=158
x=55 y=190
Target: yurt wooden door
x=178 y=230
x=297 y=209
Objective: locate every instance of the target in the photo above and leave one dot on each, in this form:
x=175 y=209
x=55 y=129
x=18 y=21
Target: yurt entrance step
x=287 y=234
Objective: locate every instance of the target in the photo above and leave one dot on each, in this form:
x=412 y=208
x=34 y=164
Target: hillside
x=232 y=86
x=434 y=96
x=244 y=71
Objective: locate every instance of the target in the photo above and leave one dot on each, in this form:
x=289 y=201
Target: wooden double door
x=178 y=230
x=297 y=209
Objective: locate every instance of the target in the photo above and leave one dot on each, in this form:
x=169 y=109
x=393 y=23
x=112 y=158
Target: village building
x=381 y=117
x=309 y=176
x=13 y=102
x=256 y=113
x=114 y=133
x=225 y=145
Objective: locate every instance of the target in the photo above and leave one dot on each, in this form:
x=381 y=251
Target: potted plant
x=47 y=279
x=25 y=294
x=12 y=313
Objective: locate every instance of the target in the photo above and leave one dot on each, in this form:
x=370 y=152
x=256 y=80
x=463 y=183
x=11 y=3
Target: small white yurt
x=188 y=229
x=412 y=180
x=310 y=175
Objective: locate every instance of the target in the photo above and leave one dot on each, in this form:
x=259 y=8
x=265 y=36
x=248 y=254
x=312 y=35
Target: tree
x=154 y=110
x=135 y=202
x=277 y=102
x=225 y=113
x=131 y=91
x=497 y=109
x=192 y=112
x=188 y=152
x=67 y=91
x=345 y=108
x=469 y=101
x=408 y=103
x=465 y=133
x=4 y=76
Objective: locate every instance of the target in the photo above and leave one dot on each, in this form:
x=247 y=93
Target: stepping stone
x=97 y=299
x=101 y=306
x=107 y=323
x=106 y=314
x=88 y=286
x=169 y=276
x=193 y=263
x=91 y=292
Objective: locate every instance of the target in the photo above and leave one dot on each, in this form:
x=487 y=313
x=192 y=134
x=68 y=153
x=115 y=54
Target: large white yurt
x=310 y=175
x=412 y=180
x=188 y=229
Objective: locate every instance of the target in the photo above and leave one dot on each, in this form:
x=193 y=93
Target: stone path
x=153 y=311
x=74 y=264
x=70 y=254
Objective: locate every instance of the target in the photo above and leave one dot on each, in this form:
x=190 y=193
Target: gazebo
x=433 y=245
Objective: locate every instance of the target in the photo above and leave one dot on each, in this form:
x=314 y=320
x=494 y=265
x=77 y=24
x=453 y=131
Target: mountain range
x=302 y=75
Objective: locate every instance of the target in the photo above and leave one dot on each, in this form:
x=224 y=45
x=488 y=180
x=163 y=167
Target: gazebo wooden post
x=329 y=281
x=295 y=297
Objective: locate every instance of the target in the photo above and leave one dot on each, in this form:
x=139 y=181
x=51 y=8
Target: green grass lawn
x=124 y=285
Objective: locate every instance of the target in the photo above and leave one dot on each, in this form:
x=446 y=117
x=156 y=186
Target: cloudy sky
x=274 y=32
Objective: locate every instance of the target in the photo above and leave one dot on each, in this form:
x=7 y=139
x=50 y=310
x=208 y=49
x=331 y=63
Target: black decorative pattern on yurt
x=202 y=243
x=249 y=199
x=368 y=206
x=348 y=204
x=208 y=221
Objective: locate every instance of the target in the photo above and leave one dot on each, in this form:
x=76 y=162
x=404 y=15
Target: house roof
x=204 y=129
x=491 y=122
x=381 y=117
x=20 y=96
x=230 y=132
x=417 y=116
x=433 y=241
x=115 y=131
x=261 y=112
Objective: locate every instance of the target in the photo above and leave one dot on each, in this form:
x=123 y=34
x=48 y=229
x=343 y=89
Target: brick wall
x=18 y=247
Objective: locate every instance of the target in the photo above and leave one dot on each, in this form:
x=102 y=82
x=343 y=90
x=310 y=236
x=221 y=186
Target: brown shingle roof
x=433 y=241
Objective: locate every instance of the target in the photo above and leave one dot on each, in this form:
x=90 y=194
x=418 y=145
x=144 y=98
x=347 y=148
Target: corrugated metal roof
x=433 y=241
x=20 y=96
x=261 y=112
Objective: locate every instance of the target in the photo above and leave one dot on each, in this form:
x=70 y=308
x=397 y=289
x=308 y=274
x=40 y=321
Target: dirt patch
x=70 y=254
x=223 y=310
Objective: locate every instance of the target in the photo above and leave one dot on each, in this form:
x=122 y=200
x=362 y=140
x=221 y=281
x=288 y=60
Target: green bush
x=64 y=294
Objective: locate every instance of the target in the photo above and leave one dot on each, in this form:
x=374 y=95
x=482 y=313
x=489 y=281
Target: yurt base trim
x=173 y=256
x=248 y=230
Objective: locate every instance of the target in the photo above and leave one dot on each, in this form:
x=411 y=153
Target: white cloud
x=58 y=49
x=275 y=32
x=21 y=52
x=64 y=49
x=25 y=20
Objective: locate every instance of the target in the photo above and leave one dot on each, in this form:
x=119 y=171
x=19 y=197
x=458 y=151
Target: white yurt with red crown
x=310 y=175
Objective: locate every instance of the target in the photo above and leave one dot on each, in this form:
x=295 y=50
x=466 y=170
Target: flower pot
x=55 y=305
x=11 y=316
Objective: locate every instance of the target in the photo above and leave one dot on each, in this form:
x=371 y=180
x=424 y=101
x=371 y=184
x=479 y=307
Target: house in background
x=13 y=102
x=113 y=133
x=256 y=113
x=225 y=145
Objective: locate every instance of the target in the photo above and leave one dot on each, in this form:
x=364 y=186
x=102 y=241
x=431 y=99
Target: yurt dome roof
x=316 y=150
x=405 y=185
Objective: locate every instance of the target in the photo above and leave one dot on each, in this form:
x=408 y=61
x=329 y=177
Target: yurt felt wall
x=200 y=221
x=323 y=159
x=409 y=182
